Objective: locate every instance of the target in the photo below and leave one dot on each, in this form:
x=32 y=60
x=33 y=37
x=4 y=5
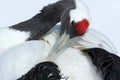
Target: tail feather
x=107 y=62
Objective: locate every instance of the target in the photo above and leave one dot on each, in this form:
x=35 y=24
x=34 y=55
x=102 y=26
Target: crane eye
x=73 y=23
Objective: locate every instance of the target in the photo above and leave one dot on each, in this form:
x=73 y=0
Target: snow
x=105 y=15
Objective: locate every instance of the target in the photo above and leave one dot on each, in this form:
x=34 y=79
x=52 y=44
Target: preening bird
x=18 y=60
x=76 y=64
x=78 y=16
x=62 y=47
x=70 y=58
x=72 y=61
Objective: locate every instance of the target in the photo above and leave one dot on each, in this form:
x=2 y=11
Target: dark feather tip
x=105 y=61
x=43 y=71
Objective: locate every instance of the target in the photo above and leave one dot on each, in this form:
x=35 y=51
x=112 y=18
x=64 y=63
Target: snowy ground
x=105 y=15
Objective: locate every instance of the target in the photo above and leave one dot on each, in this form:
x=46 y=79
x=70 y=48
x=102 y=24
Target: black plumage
x=106 y=62
x=41 y=23
x=43 y=71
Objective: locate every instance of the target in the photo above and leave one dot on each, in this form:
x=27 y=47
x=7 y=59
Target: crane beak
x=62 y=40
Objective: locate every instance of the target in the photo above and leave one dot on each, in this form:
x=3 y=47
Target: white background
x=105 y=15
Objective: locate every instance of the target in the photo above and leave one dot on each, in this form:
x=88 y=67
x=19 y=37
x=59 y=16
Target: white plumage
x=10 y=38
x=31 y=29
x=74 y=63
x=18 y=60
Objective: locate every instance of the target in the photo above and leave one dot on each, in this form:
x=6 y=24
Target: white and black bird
x=18 y=60
x=76 y=64
x=79 y=17
x=80 y=29
x=73 y=62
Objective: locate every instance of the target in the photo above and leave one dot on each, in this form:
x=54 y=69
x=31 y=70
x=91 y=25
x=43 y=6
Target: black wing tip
x=43 y=71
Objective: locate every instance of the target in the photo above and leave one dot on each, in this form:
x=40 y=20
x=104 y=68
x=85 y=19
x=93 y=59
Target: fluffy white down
x=19 y=59
x=9 y=38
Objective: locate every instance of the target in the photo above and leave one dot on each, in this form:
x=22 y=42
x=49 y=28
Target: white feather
x=19 y=59
x=10 y=38
x=77 y=65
